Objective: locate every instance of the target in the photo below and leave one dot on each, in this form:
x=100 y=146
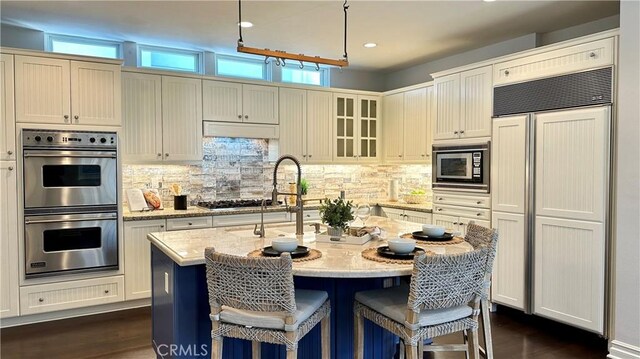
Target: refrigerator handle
x=529 y=219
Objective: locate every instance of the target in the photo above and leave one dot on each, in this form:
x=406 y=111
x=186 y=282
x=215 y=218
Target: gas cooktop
x=234 y=203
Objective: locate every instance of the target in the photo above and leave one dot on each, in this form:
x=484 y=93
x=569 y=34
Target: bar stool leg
x=486 y=329
x=325 y=337
x=256 y=349
x=358 y=336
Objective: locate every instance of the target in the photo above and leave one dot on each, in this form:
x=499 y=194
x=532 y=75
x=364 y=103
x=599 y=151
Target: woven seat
x=254 y=299
x=447 y=288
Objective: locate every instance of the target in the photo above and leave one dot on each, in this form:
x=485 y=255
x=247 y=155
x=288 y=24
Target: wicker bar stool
x=254 y=299
x=479 y=237
x=443 y=297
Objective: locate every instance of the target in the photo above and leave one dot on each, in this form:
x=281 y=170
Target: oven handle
x=74 y=154
x=100 y=217
x=464 y=150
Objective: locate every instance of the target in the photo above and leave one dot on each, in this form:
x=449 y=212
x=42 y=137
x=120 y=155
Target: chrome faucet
x=297 y=209
x=255 y=229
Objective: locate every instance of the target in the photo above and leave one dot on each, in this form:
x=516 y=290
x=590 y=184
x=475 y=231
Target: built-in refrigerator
x=550 y=187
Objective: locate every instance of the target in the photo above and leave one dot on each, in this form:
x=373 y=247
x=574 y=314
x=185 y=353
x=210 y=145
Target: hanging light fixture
x=281 y=56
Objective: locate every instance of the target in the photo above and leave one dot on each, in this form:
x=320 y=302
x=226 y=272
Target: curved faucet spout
x=282 y=158
x=274 y=194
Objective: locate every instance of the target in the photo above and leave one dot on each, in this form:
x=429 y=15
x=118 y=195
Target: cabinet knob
x=162 y=226
x=506 y=72
x=439 y=209
x=76 y=117
x=66 y=117
x=9 y=153
x=191 y=224
x=399 y=155
x=592 y=55
x=479 y=202
x=440 y=198
x=159 y=154
x=239 y=116
x=246 y=116
x=461 y=131
x=106 y=291
x=455 y=132
x=166 y=155
x=304 y=155
x=309 y=156
x=40 y=300
x=10 y=168
x=478 y=214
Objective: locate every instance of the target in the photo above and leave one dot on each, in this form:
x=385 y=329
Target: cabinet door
x=137 y=257
x=447 y=102
x=293 y=119
x=43 y=92
x=570 y=271
x=181 y=119
x=508 y=156
x=260 y=104
x=141 y=117
x=7 y=114
x=368 y=128
x=476 y=93
x=8 y=240
x=415 y=129
x=431 y=118
x=392 y=126
x=463 y=222
x=418 y=217
x=95 y=94
x=397 y=214
x=571 y=163
x=319 y=129
x=448 y=222
x=345 y=127
x=508 y=280
x=221 y=101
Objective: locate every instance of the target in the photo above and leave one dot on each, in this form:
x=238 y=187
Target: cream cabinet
x=463 y=103
x=58 y=91
x=8 y=240
x=141 y=117
x=7 y=113
x=508 y=167
x=137 y=257
x=508 y=281
x=305 y=124
x=357 y=127
x=457 y=224
x=234 y=102
x=406 y=215
x=181 y=119
x=392 y=127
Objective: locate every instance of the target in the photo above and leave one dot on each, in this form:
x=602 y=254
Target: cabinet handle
x=506 y=72
x=166 y=155
x=162 y=226
x=455 y=132
x=439 y=209
x=10 y=168
x=246 y=116
x=461 y=131
x=159 y=154
x=478 y=214
x=592 y=55
x=106 y=291
x=422 y=155
x=304 y=155
x=66 y=118
x=399 y=155
x=440 y=198
x=40 y=300
x=9 y=153
x=76 y=117
x=479 y=202
x=309 y=156
x=240 y=116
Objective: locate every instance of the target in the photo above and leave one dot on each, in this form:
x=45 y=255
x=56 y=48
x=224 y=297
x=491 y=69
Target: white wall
x=627 y=224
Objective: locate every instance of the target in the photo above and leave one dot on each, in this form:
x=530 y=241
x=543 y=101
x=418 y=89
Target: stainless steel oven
x=70 y=201
x=71 y=242
x=461 y=167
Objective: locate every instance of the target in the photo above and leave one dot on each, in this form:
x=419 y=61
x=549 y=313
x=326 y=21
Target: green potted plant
x=336 y=214
x=305 y=186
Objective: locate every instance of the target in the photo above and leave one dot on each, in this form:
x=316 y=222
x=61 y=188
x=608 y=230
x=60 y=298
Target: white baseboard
x=72 y=313
x=620 y=350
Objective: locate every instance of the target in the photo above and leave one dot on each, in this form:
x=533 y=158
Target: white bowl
x=401 y=245
x=284 y=244
x=432 y=230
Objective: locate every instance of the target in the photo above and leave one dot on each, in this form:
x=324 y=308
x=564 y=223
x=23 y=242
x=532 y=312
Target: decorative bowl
x=415 y=198
x=284 y=244
x=401 y=245
x=433 y=230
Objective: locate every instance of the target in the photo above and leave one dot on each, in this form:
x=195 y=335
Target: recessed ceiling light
x=488 y=0
x=370 y=45
x=245 y=24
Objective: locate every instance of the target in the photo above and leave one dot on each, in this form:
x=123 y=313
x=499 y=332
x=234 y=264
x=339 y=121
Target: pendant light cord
x=345 y=7
x=240 y=42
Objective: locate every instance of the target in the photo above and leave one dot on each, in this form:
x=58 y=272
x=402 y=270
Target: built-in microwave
x=461 y=167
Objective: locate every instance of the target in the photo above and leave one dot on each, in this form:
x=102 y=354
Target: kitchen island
x=181 y=325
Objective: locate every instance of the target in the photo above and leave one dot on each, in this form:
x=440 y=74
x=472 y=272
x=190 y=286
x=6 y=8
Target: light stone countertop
x=338 y=260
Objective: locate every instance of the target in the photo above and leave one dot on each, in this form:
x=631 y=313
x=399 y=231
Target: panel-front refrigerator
x=550 y=198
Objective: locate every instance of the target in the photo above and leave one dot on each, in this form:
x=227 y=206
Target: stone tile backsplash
x=234 y=168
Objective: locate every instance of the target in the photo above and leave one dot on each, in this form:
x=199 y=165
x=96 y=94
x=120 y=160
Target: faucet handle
x=317 y=227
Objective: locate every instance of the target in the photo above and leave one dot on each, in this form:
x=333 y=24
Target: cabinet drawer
x=478 y=201
x=176 y=224
x=476 y=213
x=69 y=295
x=309 y=215
x=249 y=218
x=569 y=59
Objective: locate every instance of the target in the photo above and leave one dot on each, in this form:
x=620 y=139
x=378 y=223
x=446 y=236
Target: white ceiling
x=407 y=32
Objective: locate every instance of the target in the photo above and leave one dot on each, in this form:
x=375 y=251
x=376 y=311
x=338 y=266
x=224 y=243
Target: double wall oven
x=70 y=201
x=461 y=167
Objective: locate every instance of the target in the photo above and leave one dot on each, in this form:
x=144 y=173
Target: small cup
x=180 y=202
x=401 y=245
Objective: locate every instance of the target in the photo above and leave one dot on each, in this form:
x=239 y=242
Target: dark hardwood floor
x=127 y=335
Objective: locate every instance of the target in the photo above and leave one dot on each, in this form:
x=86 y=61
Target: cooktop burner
x=234 y=203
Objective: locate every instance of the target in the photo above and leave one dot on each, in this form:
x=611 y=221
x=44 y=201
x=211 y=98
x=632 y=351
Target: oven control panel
x=66 y=139
x=476 y=165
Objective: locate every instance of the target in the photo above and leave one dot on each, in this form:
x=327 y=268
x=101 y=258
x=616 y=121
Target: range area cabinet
x=137 y=257
x=407 y=125
x=455 y=211
x=9 y=287
x=181 y=119
x=463 y=104
x=7 y=113
x=235 y=102
x=305 y=124
x=357 y=127
x=60 y=91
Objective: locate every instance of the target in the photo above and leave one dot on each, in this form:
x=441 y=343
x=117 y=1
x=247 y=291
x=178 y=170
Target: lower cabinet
x=406 y=215
x=137 y=257
x=250 y=218
x=508 y=281
x=69 y=295
x=8 y=240
x=457 y=224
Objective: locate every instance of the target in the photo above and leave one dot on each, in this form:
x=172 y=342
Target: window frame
x=266 y=68
x=198 y=54
x=49 y=38
x=324 y=75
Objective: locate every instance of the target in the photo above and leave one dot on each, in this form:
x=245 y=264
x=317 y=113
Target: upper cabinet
x=357 y=125
x=60 y=91
x=234 y=102
x=181 y=118
x=407 y=125
x=7 y=114
x=305 y=124
x=463 y=104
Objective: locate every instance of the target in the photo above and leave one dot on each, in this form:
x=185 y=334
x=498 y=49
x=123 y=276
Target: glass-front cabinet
x=357 y=127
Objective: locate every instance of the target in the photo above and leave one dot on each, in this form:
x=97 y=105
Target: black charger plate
x=423 y=237
x=386 y=252
x=299 y=252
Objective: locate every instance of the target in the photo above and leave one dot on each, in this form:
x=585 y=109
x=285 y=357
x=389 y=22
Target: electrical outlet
x=166 y=282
